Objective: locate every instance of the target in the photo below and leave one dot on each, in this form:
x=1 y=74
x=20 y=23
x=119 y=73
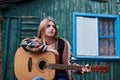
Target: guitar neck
x=95 y=68
x=64 y=66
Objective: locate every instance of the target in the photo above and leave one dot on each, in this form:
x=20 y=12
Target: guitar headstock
x=100 y=68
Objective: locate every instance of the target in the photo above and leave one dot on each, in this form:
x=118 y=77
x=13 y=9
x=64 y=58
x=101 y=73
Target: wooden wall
x=17 y=22
x=0 y=48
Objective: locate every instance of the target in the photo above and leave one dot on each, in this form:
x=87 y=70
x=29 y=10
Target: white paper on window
x=87 y=36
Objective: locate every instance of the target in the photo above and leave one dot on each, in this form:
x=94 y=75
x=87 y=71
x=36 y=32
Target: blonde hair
x=42 y=27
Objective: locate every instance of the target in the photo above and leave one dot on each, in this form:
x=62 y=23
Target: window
x=107 y=37
x=96 y=36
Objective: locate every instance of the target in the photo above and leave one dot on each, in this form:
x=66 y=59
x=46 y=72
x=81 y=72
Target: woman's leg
x=62 y=78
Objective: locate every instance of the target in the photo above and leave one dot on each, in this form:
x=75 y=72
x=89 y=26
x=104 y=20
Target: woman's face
x=50 y=29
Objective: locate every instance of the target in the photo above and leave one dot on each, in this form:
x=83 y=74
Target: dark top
x=60 y=50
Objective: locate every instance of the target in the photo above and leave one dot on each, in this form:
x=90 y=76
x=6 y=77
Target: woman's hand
x=52 y=50
x=85 y=69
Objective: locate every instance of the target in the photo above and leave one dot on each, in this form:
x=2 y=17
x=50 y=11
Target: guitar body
x=28 y=65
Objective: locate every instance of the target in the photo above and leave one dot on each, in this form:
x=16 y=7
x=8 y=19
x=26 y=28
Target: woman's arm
x=33 y=45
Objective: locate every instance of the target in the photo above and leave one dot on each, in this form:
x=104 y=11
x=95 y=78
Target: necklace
x=49 y=43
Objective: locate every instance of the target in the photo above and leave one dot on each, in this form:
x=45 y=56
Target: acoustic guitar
x=28 y=65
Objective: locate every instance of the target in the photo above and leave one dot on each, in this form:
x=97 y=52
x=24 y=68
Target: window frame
x=98 y=16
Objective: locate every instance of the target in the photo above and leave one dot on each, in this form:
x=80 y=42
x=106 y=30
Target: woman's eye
x=51 y=25
x=48 y=25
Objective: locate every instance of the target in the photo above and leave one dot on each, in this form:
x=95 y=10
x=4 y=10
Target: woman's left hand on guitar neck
x=84 y=69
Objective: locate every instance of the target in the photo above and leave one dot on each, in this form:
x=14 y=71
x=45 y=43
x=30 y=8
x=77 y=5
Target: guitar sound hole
x=42 y=65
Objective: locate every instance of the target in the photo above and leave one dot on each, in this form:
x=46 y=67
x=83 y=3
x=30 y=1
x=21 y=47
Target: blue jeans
x=37 y=78
x=61 y=76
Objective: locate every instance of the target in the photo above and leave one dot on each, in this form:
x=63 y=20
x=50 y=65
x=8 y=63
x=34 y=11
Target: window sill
x=98 y=57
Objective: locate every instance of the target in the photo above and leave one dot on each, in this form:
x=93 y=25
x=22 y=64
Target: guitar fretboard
x=63 y=66
x=95 y=68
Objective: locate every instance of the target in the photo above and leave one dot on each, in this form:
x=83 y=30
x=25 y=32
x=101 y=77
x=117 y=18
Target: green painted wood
x=9 y=40
x=14 y=31
x=22 y=21
x=29 y=27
